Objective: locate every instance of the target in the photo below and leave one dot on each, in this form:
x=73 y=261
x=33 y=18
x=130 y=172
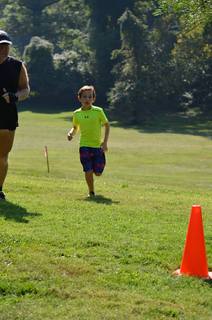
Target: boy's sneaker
x=2 y=195
x=91 y=194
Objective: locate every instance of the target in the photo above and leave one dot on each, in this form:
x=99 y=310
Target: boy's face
x=86 y=98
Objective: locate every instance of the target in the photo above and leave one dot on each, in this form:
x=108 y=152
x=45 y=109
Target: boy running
x=89 y=119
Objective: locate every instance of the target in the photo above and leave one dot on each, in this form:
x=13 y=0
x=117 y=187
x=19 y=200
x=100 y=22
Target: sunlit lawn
x=66 y=257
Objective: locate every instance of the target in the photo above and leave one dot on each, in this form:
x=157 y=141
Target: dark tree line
x=144 y=57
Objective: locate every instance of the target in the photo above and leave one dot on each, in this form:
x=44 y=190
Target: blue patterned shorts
x=92 y=159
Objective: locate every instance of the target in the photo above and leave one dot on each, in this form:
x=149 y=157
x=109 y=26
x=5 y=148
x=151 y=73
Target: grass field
x=64 y=257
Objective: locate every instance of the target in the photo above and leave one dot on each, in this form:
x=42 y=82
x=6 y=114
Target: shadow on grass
x=208 y=282
x=192 y=123
x=44 y=108
x=101 y=199
x=11 y=211
x=180 y=123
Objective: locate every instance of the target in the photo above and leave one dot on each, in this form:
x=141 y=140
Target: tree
x=193 y=13
x=130 y=70
x=192 y=58
x=104 y=38
x=71 y=72
x=38 y=55
x=18 y=22
x=192 y=55
x=147 y=81
x=39 y=24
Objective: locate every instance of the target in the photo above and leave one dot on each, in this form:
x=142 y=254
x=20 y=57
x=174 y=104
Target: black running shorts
x=8 y=116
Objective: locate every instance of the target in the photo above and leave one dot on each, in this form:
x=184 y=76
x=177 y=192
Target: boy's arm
x=72 y=132
x=106 y=136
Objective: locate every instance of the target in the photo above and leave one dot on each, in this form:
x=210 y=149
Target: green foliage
x=155 y=70
x=104 y=38
x=193 y=13
x=196 y=75
x=71 y=71
x=18 y=22
x=39 y=59
x=148 y=56
x=47 y=71
x=62 y=23
x=141 y=67
x=128 y=70
x=37 y=5
x=65 y=23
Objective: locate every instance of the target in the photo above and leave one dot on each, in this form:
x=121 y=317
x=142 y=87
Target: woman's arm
x=23 y=88
x=23 y=84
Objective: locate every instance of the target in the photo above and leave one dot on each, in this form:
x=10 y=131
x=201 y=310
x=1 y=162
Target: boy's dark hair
x=86 y=88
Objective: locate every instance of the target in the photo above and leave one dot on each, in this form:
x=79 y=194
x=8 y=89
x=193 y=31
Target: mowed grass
x=65 y=257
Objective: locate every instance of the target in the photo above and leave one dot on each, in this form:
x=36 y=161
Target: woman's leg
x=6 y=143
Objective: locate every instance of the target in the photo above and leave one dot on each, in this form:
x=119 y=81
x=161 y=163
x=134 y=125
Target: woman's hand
x=9 y=97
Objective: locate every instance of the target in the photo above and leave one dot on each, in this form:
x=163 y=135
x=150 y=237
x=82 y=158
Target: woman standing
x=14 y=87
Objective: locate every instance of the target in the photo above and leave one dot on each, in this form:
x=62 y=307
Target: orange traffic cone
x=194 y=261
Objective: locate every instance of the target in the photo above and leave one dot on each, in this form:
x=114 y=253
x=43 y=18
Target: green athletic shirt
x=90 y=122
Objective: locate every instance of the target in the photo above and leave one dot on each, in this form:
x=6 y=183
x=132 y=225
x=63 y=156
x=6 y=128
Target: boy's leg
x=99 y=162
x=87 y=163
x=90 y=181
x=98 y=174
